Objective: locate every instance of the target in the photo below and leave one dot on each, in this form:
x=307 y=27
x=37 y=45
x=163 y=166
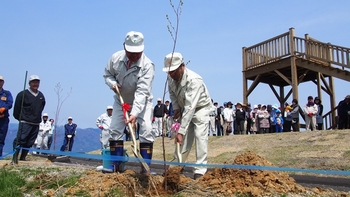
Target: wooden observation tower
x=287 y=60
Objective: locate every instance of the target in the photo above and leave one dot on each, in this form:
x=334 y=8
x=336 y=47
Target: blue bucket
x=107 y=161
x=106 y=158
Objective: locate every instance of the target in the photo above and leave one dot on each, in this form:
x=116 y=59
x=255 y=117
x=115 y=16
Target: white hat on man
x=172 y=61
x=34 y=77
x=134 y=42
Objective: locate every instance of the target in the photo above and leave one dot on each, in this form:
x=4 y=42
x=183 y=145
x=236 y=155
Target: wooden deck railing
x=311 y=49
x=328 y=119
x=281 y=46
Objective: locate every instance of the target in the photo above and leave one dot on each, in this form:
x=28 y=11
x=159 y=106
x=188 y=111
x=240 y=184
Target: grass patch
x=10 y=183
x=16 y=181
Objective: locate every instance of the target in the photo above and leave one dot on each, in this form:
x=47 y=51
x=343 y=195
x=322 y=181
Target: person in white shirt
x=212 y=116
x=44 y=128
x=103 y=122
x=310 y=111
x=228 y=117
x=132 y=72
x=192 y=104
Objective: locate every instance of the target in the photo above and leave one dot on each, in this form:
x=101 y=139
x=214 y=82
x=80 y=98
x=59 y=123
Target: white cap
x=109 y=107
x=70 y=117
x=45 y=114
x=255 y=106
x=174 y=63
x=34 y=77
x=134 y=42
x=2 y=78
x=275 y=106
x=159 y=99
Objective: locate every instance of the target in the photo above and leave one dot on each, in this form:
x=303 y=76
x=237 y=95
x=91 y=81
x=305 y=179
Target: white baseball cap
x=109 y=107
x=45 y=114
x=172 y=61
x=134 y=42
x=70 y=117
x=34 y=77
x=2 y=78
x=159 y=99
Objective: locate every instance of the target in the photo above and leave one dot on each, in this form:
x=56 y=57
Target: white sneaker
x=99 y=168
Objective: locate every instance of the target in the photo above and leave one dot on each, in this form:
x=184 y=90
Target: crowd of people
x=34 y=129
x=240 y=119
x=45 y=135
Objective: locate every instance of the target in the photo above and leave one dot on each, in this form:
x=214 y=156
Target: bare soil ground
x=312 y=150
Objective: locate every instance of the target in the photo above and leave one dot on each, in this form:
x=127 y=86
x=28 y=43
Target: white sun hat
x=172 y=61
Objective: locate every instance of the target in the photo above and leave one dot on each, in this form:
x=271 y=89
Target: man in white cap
x=192 y=103
x=103 y=122
x=44 y=128
x=70 y=130
x=159 y=112
x=132 y=72
x=29 y=105
x=6 y=102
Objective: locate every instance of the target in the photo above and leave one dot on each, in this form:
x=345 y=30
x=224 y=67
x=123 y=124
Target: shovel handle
x=178 y=152
x=131 y=129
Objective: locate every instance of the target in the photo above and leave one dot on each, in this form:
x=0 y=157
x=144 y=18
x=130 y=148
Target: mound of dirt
x=252 y=182
x=216 y=182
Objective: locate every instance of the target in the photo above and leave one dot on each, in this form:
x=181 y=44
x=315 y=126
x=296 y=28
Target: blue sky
x=70 y=42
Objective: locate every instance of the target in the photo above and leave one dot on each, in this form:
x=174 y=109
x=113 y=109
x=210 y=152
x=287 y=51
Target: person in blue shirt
x=278 y=121
x=69 y=134
x=6 y=102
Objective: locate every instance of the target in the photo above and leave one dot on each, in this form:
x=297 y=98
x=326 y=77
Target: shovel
x=178 y=152
x=135 y=149
x=175 y=128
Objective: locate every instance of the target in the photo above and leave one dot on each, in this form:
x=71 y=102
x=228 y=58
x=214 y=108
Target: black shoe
x=197 y=176
x=24 y=154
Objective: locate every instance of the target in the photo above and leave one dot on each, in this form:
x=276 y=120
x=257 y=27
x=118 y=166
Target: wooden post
x=332 y=101
x=319 y=86
x=294 y=73
x=307 y=52
x=245 y=83
x=281 y=99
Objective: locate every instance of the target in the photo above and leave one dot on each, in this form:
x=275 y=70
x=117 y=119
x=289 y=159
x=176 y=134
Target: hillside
x=314 y=150
x=85 y=141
